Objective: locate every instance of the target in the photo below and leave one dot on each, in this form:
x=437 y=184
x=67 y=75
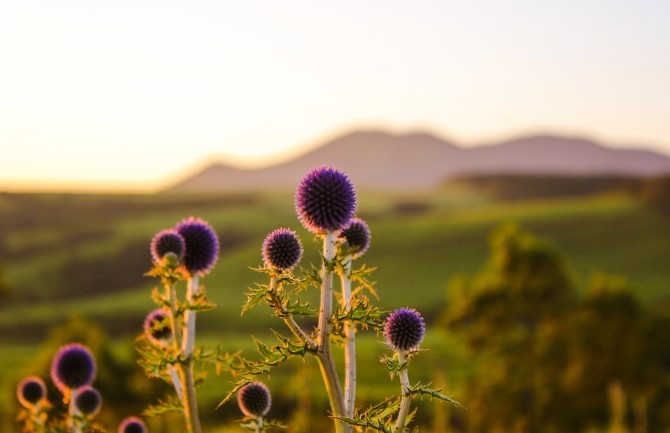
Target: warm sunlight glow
x=131 y=94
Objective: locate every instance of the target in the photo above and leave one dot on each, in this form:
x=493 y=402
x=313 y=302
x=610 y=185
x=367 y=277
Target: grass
x=420 y=243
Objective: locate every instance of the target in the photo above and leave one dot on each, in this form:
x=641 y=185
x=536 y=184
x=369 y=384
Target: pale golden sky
x=125 y=94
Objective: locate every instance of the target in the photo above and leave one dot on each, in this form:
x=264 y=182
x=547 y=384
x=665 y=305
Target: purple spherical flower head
x=254 y=399
x=72 y=367
x=202 y=245
x=357 y=235
x=88 y=401
x=325 y=200
x=157 y=328
x=31 y=391
x=282 y=250
x=132 y=425
x=404 y=329
x=167 y=241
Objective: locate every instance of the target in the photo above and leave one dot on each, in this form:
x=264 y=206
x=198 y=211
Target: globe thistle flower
x=157 y=328
x=73 y=367
x=88 y=401
x=404 y=329
x=202 y=245
x=325 y=200
x=282 y=250
x=357 y=235
x=132 y=425
x=254 y=399
x=167 y=241
x=31 y=391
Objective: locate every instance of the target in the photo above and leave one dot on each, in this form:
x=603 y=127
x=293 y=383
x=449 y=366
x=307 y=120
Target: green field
x=85 y=255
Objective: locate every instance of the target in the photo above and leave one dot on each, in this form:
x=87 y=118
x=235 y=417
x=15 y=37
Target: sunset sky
x=123 y=95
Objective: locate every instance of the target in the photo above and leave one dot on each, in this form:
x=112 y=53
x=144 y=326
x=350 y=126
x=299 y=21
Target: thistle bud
x=254 y=399
x=202 y=245
x=282 y=250
x=72 y=367
x=404 y=329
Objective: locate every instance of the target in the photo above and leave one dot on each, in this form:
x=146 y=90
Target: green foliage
x=547 y=358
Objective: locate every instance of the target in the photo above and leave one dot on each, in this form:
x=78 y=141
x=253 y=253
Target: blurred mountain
x=377 y=160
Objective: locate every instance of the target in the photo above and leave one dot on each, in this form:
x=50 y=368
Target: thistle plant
x=325 y=202
x=182 y=256
x=31 y=393
x=254 y=401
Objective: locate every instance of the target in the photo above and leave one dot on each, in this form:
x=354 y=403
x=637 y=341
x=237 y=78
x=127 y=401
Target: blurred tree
x=549 y=361
x=512 y=314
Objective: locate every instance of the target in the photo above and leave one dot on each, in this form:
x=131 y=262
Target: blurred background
x=511 y=159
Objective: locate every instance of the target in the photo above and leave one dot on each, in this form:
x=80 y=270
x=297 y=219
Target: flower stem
x=405 y=399
x=350 y=344
x=190 y=404
x=174 y=372
x=188 y=343
x=287 y=317
x=73 y=413
x=324 y=354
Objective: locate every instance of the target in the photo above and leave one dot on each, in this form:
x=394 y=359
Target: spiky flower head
x=202 y=245
x=157 y=328
x=325 y=200
x=167 y=241
x=72 y=367
x=31 y=391
x=88 y=401
x=132 y=425
x=282 y=250
x=404 y=329
x=357 y=235
x=254 y=399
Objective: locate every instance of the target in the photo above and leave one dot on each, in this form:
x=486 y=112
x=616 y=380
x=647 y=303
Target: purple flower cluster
x=132 y=425
x=156 y=327
x=202 y=245
x=193 y=241
x=31 y=391
x=167 y=241
x=254 y=399
x=357 y=235
x=88 y=401
x=282 y=250
x=325 y=200
x=72 y=367
x=404 y=329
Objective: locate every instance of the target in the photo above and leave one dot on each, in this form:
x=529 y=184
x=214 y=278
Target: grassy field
x=86 y=255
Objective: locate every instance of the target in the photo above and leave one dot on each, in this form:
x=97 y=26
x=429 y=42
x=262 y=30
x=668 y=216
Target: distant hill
x=377 y=160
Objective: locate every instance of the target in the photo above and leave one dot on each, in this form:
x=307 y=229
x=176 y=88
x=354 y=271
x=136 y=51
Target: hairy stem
x=405 y=399
x=174 y=372
x=190 y=404
x=288 y=317
x=73 y=414
x=188 y=343
x=350 y=344
x=324 y=354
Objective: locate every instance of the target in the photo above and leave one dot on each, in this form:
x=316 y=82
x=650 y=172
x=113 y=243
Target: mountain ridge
x=380 y=160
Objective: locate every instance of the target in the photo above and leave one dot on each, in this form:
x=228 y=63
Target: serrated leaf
x=255 y=297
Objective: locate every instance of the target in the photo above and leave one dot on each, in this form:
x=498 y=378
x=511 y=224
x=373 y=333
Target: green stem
x=350 y=344
x=324 y=354
x=288 y=317
x=405 y=399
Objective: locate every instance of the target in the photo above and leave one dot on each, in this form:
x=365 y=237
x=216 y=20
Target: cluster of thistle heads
x=73 y=370
x=325 y=202
x=192 y=243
